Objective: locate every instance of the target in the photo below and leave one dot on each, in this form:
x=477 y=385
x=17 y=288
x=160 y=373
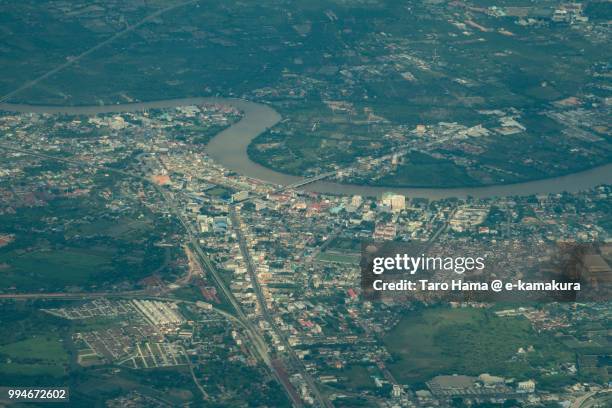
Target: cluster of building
x=449 y=386
x=299 y=252
x=162 y=315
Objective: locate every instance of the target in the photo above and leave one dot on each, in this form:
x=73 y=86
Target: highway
x=96 y=47
x=594 y=399
x=322 y=400
x=255 y=336
x=69 y=296
x=252 y=331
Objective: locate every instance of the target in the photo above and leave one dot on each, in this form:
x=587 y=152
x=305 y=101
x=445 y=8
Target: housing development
x=178 y=232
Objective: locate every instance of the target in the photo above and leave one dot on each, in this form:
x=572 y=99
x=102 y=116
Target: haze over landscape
x=192 y=194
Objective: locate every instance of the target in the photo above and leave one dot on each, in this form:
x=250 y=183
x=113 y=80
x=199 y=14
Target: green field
x=92 y=248
x=358 y=377
x=55 y=268
x=39 y=348
x=219 y=192
x=468 y=341
x=123 y=228
x=40 y=355
x=424 y=171
x=338 y=258
x=344 y=244
x=31 y=369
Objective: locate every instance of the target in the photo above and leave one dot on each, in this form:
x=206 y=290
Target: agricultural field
x=46 y=352
x=34 y=346
x=352 y=80
x=67 y=266
x=442 y=341
x=76 y=243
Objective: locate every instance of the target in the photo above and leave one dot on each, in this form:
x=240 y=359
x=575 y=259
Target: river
x=229 y=148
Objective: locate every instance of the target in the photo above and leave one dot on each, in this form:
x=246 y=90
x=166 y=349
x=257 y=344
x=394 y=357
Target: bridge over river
x=229 y=148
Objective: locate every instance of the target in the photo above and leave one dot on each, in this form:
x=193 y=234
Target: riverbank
x=229 y=148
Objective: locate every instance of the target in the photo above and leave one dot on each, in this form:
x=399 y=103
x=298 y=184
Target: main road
x=297 y=363
x=252 y=331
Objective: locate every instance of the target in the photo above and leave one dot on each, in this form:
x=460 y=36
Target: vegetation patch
x=470 y=342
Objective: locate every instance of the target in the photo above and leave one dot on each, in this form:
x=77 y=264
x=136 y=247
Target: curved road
x=229 y=148
x=594 y=399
